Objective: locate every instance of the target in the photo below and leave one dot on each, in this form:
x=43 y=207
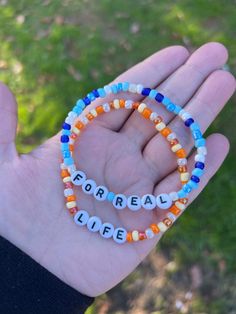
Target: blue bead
x=181 y=194
x=159 y=97
x=195 y=179
x=146 y=91
x=95 y=92
x=200 y=142
x=119 y=87
x=64 y=138
x=199 y=165
x=197 y=172
x=114 y=89
x=188 y=122
x=153 y=94
x=187 y=188
x=101 y=92
x=66 y=126
x=110 y=196
x=166 y=101
x=68 y=161
x=170 y=107
x=86 y=100
x=177 y=109
x=125 y=86
x=197 y=134
x=66 y=154
x=194 y=126
x=91 y=96
x=64 y=146
x=80 y=104
x=193 y=184
x=66 y=132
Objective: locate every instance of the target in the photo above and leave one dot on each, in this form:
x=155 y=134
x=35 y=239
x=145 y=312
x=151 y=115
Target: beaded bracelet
x=133 y=202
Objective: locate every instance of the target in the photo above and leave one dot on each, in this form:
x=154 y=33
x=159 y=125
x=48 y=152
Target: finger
x=204 y=107
x=179 y=87
x=8 y=112
x=151 y=72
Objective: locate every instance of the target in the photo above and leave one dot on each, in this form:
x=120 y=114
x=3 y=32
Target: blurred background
x=52 y=52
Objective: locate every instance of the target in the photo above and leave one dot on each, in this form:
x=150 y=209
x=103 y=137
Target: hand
x=130 y=158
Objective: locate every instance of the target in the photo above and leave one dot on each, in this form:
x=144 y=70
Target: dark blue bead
x=146 y=91
x=66 y=126
x=188 y=122
x=86 y=101
x=199 y=165
x=95 y=92
x=64 y=138
x=159 y=97
x=195 y=179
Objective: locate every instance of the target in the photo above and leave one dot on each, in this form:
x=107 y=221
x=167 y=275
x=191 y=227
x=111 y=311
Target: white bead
x=148 y=201
x=182 y=161
x=76 y=131
x=133 y=88
x=84 y=120
x=71 y=204
x=89 y=186
x=100 y=193
x=181 y=113
x=78 y=177
x=134 y=202
x=72 y=115
x=94 y=224
x=139 y=88
x=141 y=107
x=68 y=192
x=199 y=157
x=186 y=116
x=180 y=205
x=163 y=201
x=119 y=201
x=149 y=233
x=116 y=103
x=66 y=179
x=176 y=147
x=106 y=107
x=174 y=196
x=160 y=126
x=93 y=112
x=106 y=230
x=119 y=235
x=171 y=137
x=108 y=89
x=63 y=166
x=202 y=150
x=135 y=235
x=71 y=169
x=153 y=116
x=162 y=226
x=128 y=104
x=171 y=216
x=81 y=217
x=69 y=120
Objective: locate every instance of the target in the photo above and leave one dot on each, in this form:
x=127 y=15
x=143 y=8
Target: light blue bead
x=166 y=101
x=153 y=94
x=193 y=184
x=64 y=146
x=177 y=109
x=68 y=161
x=110 y=196
x=65 y=132
x=114 y=89
x=187 y=188
x=181 y=194
x=197 y=172
x=80 y=104
x=197 y=134
x=125 y=86
x=91 y=96
x=66 y=154
x=101 y=92
x=119 y=87
x=194 y=126
x=170 y=107
x=200 y=142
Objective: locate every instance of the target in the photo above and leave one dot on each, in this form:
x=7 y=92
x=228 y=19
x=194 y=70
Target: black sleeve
x=26 y=287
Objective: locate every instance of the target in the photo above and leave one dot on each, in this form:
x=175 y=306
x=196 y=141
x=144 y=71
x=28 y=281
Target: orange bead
x=167 y=222
x=146 y=113
x=122 y=103
x=71 y=148
x=154 y=228
x=175 y=210
x=71 y=198
x=90 y=116
x=181 y=153
x=79 y=125
x=158 y=120
x=65 y=173
x=182 y=169
x=183 y=200
x=129 y=237
x=73 y=210
x=166 y=131
x=135 y=105
x=99 y=109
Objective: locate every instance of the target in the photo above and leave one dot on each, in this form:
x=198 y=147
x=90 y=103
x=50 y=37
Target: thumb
x=8 y=124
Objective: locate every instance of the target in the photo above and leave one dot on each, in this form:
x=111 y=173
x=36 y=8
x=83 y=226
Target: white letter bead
x=78 y=177
x=89 y=186
x=119 y=201
x=106 y=230
x=119 y=235
x=81 y=217
x=163 y=201
x=134 y=202
x=148 y=201
x=100 y=193
x=94 y=224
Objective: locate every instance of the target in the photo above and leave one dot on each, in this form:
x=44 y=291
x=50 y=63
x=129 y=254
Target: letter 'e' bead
x=119 y=235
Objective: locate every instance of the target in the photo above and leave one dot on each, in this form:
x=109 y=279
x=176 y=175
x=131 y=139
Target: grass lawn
x=52 y=52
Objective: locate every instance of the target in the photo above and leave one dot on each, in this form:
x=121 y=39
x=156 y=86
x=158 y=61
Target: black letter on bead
x=119 y=201
x=134 y=200
x=88 y=187
x=106 y=229
x=93 y=225
x=162 y=201
x=119 y=233
x=148 y=200
x=100 y=192
x=80 y=216
x=77 y=177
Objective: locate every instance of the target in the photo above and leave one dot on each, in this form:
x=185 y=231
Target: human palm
x=120 y=150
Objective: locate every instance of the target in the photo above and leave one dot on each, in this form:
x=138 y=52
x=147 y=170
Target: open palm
x=120 y=150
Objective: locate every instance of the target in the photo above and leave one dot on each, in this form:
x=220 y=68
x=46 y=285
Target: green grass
x=54 y=51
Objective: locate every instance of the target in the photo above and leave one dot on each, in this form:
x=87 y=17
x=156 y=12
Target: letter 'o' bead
x=148 y=201
x=106 y=230
x=81 y=217
x=134 y=202
x=119 y=235
x=78 y=177
x=163 y=201
x=94 y=224
x=89 y=186
x=119 y=201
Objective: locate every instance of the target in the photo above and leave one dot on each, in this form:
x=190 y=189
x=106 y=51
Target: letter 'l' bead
x=119 y=235
x=148 y=201
x=106 y=230
x=163 y=201
x=81 y=217
x=94 y=224
x=78 y=177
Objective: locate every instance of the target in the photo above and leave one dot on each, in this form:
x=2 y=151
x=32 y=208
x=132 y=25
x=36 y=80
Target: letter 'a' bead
x=81 y=217
x=89 y=186
x=100 y=193
x=134 y=202
x=119 y=235
x=78 y=177
x=106 y=230
x=119 y=201
x=163 y=201
x=148 y=201
x=94 y=224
